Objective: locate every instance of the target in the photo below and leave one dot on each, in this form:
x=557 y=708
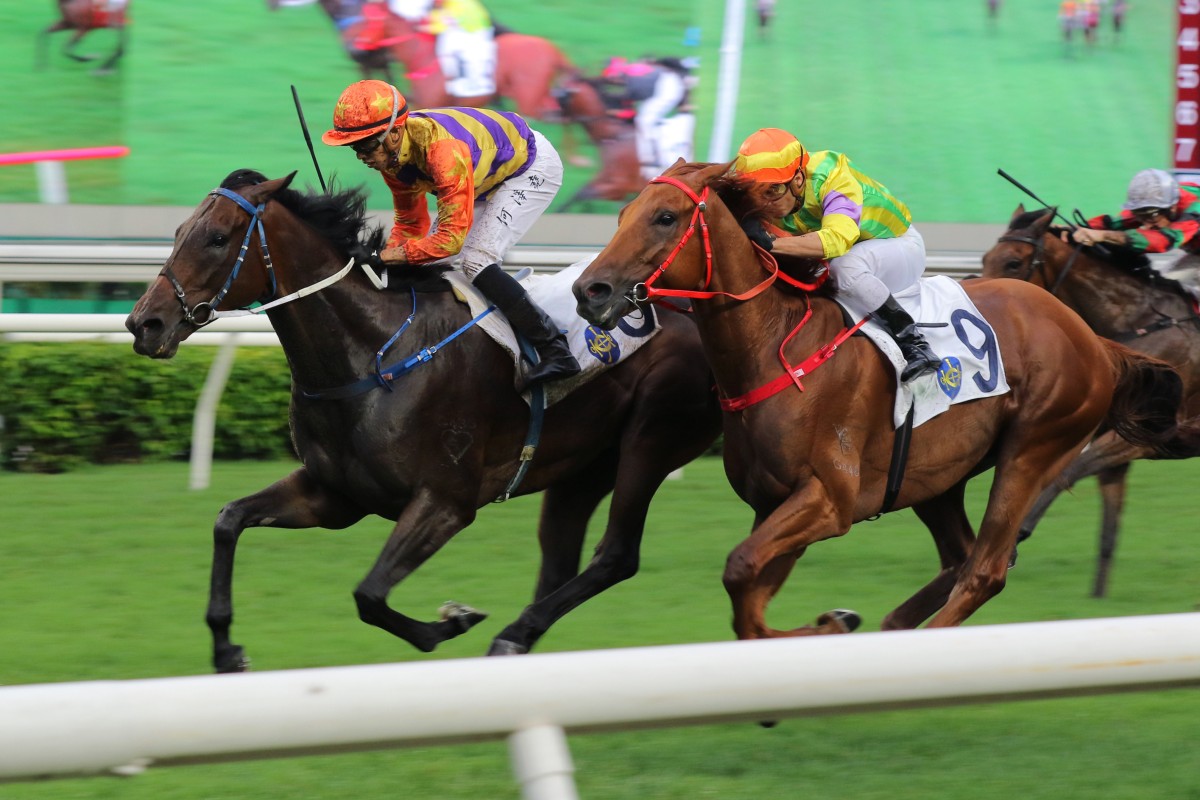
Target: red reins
x=792 y=374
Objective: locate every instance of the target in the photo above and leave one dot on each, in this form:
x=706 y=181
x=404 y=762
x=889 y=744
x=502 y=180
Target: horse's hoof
x=844 y=619
x=1012 y=559
x=232 y=659
x=462 y=615
x=503 y=647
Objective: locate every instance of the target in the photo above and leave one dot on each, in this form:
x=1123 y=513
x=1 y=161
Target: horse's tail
x=1146 y=402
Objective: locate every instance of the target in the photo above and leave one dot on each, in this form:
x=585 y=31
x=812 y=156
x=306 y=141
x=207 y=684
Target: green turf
x=925 y=95
x=106 y=572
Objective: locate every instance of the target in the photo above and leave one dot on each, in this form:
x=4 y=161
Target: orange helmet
x=366 y=108
x=770 y=155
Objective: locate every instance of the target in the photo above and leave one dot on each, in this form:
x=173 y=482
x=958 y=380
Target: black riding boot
x=913 y=347
x=554 y=354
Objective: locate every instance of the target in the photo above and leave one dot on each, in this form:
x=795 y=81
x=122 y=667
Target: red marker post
x=52 y=180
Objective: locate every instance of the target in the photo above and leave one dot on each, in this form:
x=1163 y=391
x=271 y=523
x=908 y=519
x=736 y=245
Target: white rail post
x=204 y=420
x=542 y=763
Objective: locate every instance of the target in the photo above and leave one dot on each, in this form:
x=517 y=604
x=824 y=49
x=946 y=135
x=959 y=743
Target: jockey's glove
x=362 y=255
x=757 y=233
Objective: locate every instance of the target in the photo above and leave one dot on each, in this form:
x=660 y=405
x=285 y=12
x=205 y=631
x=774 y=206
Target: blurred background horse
x=81 y=17
x=1121 y=298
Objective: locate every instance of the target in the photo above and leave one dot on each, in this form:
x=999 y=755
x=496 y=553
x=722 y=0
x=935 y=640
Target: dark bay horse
x=1119 y=298
x=812 y=462
x=442 y=440
x=81 y=17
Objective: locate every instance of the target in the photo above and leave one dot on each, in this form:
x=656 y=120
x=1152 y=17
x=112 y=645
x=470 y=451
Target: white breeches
x=507 y=214
x=876 y=268
x=669 y=91
x=468 y=62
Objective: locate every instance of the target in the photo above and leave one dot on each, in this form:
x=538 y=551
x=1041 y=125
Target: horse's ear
x=268 y=189
x=714 y=171
x=1043 y=222
x=1020 y=210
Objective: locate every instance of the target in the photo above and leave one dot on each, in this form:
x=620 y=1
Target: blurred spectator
x=654 y=91
x=766 y=12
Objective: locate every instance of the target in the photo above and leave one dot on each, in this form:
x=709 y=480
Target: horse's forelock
x=1027 y=219
x=242 y=177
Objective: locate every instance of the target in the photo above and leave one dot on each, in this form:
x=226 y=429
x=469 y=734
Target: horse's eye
x=1013 y=265
x=665 y=218
x=218 y=240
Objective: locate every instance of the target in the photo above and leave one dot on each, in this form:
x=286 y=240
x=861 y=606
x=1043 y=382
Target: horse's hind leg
x=946 y=518
x=297 y=501
x=566 y=508
x=1112 y=495
x=426 y=523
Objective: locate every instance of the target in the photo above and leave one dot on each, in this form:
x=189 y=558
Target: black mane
x=341 y=217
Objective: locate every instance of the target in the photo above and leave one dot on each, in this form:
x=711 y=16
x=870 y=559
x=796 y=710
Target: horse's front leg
x=297 y=501
x=757 y=568
x=111 y=61
x=427 y=523
x=69 y=47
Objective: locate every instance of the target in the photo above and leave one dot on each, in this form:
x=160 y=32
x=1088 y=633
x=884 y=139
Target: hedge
x=66 y=404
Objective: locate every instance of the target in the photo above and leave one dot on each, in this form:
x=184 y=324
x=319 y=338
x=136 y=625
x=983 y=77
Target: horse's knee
x=371 y=605
x=741 y=570
x=985 y=584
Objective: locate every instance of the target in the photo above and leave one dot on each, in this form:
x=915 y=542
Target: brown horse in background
x=812 y=462
x=528 y=68
x=426 y=446
x=1119 y=298
x=82 y=17
x=620 y=175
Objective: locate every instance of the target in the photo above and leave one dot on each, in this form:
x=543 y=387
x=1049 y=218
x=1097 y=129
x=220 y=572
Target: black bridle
x=205 y=313
x=1038 y=263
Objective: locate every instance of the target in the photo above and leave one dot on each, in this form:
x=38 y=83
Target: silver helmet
x=1152 y=188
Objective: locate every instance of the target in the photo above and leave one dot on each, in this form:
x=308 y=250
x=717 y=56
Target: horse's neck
x=1111 y=301
x=330 y=336
x=742 y=338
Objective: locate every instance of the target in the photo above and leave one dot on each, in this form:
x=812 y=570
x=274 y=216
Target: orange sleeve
x=453 y=176
x=410 y=219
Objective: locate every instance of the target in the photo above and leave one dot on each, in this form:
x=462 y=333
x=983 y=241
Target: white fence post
x=542 y=763
x=204 y=420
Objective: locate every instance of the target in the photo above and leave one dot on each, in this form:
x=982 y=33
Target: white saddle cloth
x=596 y=350
x=971 y=365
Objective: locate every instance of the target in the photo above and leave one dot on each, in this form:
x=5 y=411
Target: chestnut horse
x=811 y=462
x=1120 y=298
x=82 y=17
x=427 y=447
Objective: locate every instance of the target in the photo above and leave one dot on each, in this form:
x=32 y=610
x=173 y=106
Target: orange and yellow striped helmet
x=366 y=108
x=770 y=155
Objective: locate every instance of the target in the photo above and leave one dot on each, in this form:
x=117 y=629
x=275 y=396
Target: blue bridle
x=204 y=313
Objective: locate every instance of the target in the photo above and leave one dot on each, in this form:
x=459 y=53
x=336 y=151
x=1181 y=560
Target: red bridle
x=645 y=291
x=792 y=373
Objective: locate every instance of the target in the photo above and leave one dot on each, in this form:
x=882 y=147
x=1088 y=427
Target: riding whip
x=1006 y=177
x=308 y=139
x=1099 y=248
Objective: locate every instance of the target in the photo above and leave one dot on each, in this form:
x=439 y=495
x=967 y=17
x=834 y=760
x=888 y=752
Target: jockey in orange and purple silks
x=492 y=177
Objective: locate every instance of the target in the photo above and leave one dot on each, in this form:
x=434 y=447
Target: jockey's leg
x=500 y=222
x=866 y=278
x=669 y=92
